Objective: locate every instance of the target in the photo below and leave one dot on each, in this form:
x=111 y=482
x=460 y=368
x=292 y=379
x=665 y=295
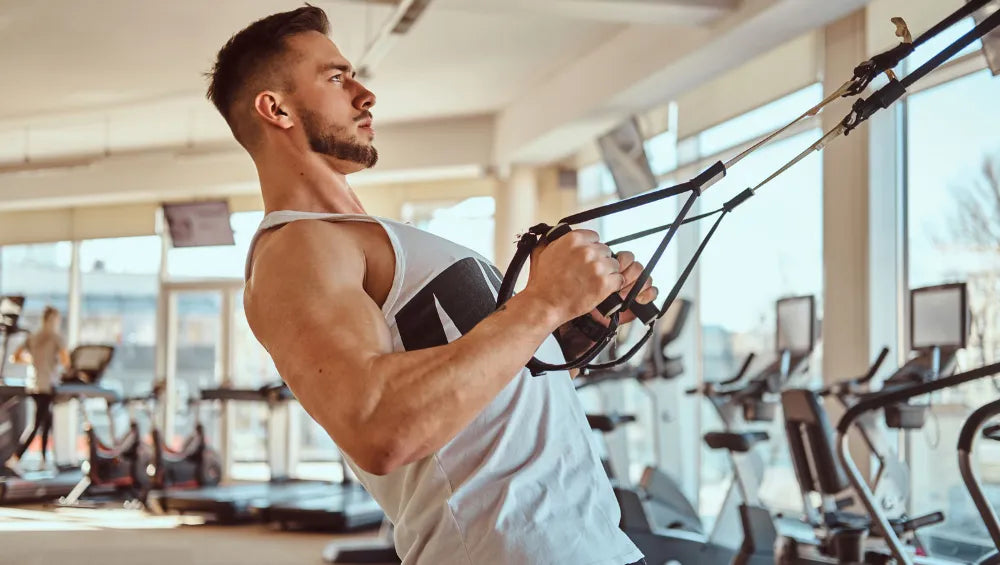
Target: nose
x=365 y=98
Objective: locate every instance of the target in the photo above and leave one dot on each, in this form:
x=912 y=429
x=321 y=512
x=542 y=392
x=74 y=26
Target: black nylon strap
x=628 y=204
x=862 y=110
x=958 y=15
x=984 y=27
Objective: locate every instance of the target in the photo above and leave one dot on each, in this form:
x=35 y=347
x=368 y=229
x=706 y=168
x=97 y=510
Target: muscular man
x=388 y=337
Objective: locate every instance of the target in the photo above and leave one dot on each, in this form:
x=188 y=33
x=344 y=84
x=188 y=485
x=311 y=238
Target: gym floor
x=127 y=537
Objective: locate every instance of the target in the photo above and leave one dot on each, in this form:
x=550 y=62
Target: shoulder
x=303 y=244
x=299 y=261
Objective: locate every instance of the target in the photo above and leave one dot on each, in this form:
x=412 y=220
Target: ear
x=268 y=106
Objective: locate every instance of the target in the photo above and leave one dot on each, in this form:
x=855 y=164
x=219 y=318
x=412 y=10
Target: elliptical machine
x=118 y=467
x=966 y=438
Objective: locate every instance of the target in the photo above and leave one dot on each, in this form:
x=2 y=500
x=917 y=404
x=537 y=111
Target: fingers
x=586 y=236
x=648 y=294
x=631 y=271
x=626 y=258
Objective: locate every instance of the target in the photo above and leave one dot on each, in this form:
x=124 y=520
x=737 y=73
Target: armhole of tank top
x=399 y=264
x=399 y=267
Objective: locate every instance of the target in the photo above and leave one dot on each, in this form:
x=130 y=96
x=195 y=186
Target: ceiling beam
x=675 y=12
x=642 y=67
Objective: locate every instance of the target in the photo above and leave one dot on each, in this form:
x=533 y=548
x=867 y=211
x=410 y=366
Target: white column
x=846 y=276
x=516 y=211
x=73 y=304
x=163 y=321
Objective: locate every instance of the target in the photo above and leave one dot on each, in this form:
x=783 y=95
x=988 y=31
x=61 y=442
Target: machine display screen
x=938 y=316
x=196 y=224
x=10 y=309
x=624 y=154
x=796 y=324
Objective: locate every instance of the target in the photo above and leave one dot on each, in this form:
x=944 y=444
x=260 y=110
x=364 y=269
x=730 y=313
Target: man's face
x=333 y=108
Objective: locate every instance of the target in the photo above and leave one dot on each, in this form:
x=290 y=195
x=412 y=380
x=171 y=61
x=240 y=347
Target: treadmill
x=30 y=486
x=346 y=507
x=349 y=509
x=41 y=485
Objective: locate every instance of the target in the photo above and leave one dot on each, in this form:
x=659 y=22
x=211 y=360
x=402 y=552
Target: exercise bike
x=118 y=467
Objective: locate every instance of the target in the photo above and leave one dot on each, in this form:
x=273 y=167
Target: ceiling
x=117 y=76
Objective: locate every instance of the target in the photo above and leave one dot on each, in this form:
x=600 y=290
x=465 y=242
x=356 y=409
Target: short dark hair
x=252 y=58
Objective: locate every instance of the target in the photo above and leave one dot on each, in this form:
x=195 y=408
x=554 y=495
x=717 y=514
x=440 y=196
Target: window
x=926 y=51
x=954 y=235
x=594 y=183
x=469 y=222
x=119 y=282
x=661 y=150
x=635 y=399
x=769 y=248
x=198 y=317
x=216 y=261
x=760 y=121
x=41 y=274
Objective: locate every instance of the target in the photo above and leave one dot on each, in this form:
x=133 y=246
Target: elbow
x=381 y=460
x=387 y=449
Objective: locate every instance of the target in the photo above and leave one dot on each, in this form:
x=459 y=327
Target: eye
x=339 y=78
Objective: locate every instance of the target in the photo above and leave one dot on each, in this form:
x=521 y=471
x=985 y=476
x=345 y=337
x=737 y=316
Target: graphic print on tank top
x=464 y=293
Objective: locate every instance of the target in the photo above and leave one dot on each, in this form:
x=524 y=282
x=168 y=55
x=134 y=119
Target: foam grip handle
x=610 y=305
x=644 y=312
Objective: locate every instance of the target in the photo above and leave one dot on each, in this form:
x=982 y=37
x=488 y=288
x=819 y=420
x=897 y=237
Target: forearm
x=426 y=397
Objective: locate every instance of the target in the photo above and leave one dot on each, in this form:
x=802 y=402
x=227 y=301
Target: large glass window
x=216 y=261
x=119 y=287
x=759 y=121
x=469 y=222
x=953 y=185
x=636 y=399
x=769 y=248
x=198 y=320
x=41 y=274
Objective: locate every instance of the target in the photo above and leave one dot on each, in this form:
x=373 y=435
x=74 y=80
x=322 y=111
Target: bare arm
x=64 y=357
x=330 y=342
x=21 y=355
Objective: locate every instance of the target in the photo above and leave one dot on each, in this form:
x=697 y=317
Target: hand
x=631 y=269
x=573 y=274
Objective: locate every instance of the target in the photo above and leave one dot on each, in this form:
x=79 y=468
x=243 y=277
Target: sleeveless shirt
x=522 y=484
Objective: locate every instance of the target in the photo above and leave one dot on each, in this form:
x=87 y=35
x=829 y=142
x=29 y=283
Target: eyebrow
x=339 y=67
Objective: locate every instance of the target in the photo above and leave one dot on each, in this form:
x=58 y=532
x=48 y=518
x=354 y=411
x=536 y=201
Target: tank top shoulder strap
x=280 y=218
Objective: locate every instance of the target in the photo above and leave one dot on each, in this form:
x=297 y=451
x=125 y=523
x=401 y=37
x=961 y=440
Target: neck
x=305 y=183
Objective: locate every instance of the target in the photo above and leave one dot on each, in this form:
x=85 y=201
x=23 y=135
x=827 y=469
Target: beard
x=336 y=142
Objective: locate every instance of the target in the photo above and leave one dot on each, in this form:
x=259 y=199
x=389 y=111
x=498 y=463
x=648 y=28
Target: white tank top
x=521 y=484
